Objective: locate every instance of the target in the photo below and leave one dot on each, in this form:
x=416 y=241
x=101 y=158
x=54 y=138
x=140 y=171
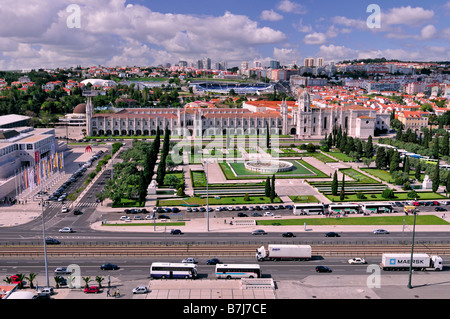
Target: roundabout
x=269 y=166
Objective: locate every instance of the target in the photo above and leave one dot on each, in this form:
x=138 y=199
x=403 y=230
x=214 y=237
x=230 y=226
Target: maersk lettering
x=407 y=261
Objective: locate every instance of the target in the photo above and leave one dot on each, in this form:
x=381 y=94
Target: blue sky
x=35 y=33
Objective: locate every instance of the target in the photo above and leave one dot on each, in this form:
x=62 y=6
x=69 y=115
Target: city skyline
x=65 y=33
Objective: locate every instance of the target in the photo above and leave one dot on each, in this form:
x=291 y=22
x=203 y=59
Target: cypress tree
x=335 y=184
x=267 y=187
x=418 y=172
x=395 y=162
x=406 y=165
x=445 y=144
x=435 y=180
x=273 y=194
x=436 y=148
x=342 y=195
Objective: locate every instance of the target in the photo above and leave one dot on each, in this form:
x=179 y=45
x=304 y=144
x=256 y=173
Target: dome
x=80 y=109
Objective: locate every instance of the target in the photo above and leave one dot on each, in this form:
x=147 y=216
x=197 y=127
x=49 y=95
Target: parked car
x=91 y=290
x=380 y=231
x=288 y=234
x=176 y=232
x=332 y=234
x=138 y=217
x=163 y=217
x=259 y=232
x=323 y=269
x=268 y=214
x=242 y=215
x=189 y=260
x=124 y=218
x=47 y=290
x=440 y=209
x=255 y=214
x=109 y=266
x=356 y=260
x=66 y=230
x=213 y=261
x=140 y=290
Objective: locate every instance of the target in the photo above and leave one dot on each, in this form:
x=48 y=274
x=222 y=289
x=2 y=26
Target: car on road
x=66 y=230
x=124 y=218
x=356 y=260
x=323 y=269
x=47 y=290
x=268 y=214
x=138 y=217
x=91 y=290
x=176 y=232
x=287 y=234
x=140 y=290
x=259 y=232
x=109 y=266
x=163 y=217
x=64 y=210
x=440 y=209
x=380 y=231
x=52 y=241
x=213 y=261
x=332 y=234
x=189 y=260
x=242 y=215
x=62 y=271
x=255 y=214
x=150 y=216
x=77 y=212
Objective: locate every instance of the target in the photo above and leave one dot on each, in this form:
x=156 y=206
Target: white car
x=151 y=216
x=140 y=290
x=356 y=260
x=62 y=271
x=124 y=218
x=268 y=214
x=66 y=230
x=189 y=260
x=64 y=210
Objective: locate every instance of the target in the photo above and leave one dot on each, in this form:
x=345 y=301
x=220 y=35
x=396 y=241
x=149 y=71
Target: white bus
x=173 y=270
x=309 y=209
x=238 y=271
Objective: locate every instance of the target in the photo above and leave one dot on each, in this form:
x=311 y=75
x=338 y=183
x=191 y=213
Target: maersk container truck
x=419 y=262
x=284 y=252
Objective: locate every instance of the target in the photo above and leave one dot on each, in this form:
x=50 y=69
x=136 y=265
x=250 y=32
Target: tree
x=342 y=194
x=380 y=159
x=31 y=277
x=412 y=194
x=406 y=165
x=367 y=161
x=99 y=280
x=417 y=172
x=436 y=148
x=267 y=137
x=445 y=144
x=334 y=184
x=273 y=194
x=246 y=197
x=369 y=147
x=395 y=162
x=267 y=187
x=142 y=189
x=435 y=180
x=388 y=193
x=447 y=184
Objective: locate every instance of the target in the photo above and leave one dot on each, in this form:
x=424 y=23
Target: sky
x=67 y=33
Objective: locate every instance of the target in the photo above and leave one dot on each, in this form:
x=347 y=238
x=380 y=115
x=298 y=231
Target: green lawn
x=304 y=199
x=237 y=170
x=340 y=156
x=364 y=220
x=358 y=177
x=228 y=200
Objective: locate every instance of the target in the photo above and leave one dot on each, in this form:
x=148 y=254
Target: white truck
x=284 y=252
x=419 y=262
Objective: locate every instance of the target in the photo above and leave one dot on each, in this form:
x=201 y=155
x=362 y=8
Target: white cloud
x=303 y=28
x=291 y=7
x=428 y=32
x=270 y=15
x=407 y=15
x=353 y=23
x=111 y=31
x=315 y=38
x=286 y=55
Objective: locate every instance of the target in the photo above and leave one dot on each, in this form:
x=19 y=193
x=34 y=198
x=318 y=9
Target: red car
x=416 y=204
x=91 y=290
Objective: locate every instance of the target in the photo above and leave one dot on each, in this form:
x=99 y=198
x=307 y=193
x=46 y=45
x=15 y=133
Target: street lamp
x=45 y=243
x=207 y=195
x=412 y=251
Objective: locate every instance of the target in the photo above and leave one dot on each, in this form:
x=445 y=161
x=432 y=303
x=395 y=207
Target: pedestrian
x=114 y=294
x=118 y=293
x=108 y=293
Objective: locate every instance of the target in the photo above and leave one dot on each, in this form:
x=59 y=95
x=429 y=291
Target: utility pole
x=45 y=243
x=412 y=252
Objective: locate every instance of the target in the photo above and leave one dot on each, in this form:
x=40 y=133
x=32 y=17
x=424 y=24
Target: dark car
x=163 y=217
x=175 y=210
x=176 y=232
x=256 y=215
x=242 y=215
x=77 y=212
x=259 y=232
x=440 y=209
x=288 y=234
x=109 y=266
x=332 y=234
x=323 y=269
x=52 y=241
x=213 y=261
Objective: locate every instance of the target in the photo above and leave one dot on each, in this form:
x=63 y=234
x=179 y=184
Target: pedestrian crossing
x=67 y=204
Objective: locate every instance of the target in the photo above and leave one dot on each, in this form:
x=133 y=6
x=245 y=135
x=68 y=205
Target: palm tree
x=20 y=278
x=7 y=280
x=99 y=280
x=86 y=281
x=31 y=277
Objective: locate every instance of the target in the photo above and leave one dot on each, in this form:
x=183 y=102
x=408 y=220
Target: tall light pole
x=412 y=252
x=207 y=196
x=45 y=243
